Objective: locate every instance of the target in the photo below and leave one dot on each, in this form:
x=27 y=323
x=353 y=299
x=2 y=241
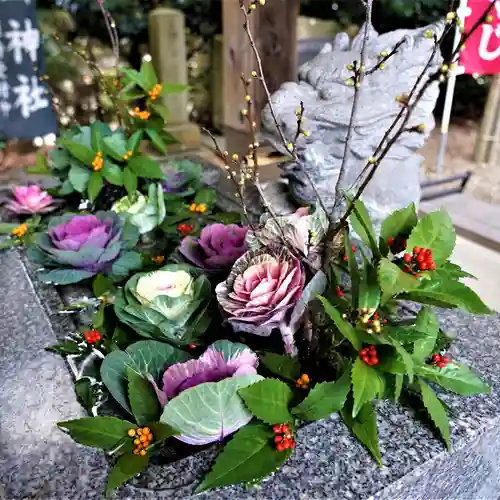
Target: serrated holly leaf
x=268 y=400
x=65 y=348
x=99 y=432
x=325 y=398
x=405 y=334
x=362 y=224
x=249 y=456
x=126 y=468
x=369 y=289
x=364 y=427
x=453 y=271
x=366 y=385
x=283 y=366
x=95 y=185
x=162 y=431
x=142 y=397
x=405 y=357
x=436 y=411
x=393 y=281
x=399 y=222
x=448 y=293
x=345 y=328
x=143 y=166
x=434 y=231
x=427 y=322
x=455 y=378
x=354 y=273
x=102 y=285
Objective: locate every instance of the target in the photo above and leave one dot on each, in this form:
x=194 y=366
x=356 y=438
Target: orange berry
x=143 y=438
x=146 y=430
x=131 y=432
x=137 y=442
x=136 y=452
x=142 y=453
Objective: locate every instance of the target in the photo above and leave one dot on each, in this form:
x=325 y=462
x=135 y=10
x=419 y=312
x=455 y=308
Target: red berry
x=375 y=315
x=345 y=257
x=285 y=429
x=192 y=346
x=293 y=445
x=445 y=359
x=420 y=258
x=92 y=336
x=371 y=347
x=436 y=358
x=353 y=248
x=278 y=439
x=417 y=250
x=432 y=266
x=277 y=428
x=441 y=364
x=390 y=241
x=407 y=257
x=340 y=293
x=424 y=266
x=286 y=443
x=280 y=447
x=375 y=361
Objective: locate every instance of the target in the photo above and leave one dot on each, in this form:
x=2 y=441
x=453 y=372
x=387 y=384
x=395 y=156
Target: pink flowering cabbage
x=30 y=200
x=200 y=396
x=262 y=289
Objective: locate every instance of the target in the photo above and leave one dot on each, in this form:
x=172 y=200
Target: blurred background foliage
x=80 y=23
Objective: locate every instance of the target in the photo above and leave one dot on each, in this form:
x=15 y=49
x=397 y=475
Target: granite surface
x=39 y=461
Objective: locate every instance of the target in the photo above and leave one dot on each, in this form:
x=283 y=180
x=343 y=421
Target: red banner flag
x=481 y=54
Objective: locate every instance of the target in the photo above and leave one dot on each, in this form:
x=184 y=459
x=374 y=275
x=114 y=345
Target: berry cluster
x=340 y=293
x=143 y=438
x=155 y=92
x=421 y=260
x=159 y=259
x=143 y=115
x=92 y=336
x=303 y=381
x=128 y=155
x=201 y=208
x=372 y=318
x=20 y=230
x=369 y=355
x=440 y=361
x=97 y=162
x=185 y=229
x=284 y=438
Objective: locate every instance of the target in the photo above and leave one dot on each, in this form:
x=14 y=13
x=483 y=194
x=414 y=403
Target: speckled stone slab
x=39 y=461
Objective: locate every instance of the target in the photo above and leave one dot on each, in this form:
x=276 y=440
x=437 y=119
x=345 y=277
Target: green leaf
x=361 y=223
x=427 y=322
x=436 y=411
x=41 y=166
x=366 y=385
x=455 y=378
x=96 y=137
x=135 y=141
x=65 y=348
x=216 y=405
x=134 y=76
x=281 y=365
x=95 y=186
x=162 y=431
x=434 y=231
x=79 y=177
x=156 y=140
x=206 y=196
x=345 y=328
x=99 y=432
x=399 y=222
x=101 y=285
x=126 y=468
x=83 y=388
x=393 y=281
x=125 y=264
x=407 y=360
x=143 y=400
x=249 y=456
x=398 y=386
x=148 y=76
x=129 y=181
x=161 y=110
x=226 y=218
x=325 y=398
x=143 y=166
x=79 y=151
x=353 y=269
x=64 y=276
x=364 y=427
x=448 y=294
x=268 y=400
x=112 y=173
x=452 y=271
x=7 y=227
x=146 y=357
x=116 y=145
x=173 y=88
x=369 y=290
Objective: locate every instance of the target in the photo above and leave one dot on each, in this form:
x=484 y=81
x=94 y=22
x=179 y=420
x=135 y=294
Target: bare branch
x=359 y=70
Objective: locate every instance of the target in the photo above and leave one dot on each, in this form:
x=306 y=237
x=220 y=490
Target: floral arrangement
x=226 y=330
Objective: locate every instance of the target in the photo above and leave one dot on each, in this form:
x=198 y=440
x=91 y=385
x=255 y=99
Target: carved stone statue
x=328 y=102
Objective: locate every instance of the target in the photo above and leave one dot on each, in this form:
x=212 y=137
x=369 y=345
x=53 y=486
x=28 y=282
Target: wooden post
x=274 y=28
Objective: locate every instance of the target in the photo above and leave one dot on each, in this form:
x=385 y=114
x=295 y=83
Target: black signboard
x=25 y=103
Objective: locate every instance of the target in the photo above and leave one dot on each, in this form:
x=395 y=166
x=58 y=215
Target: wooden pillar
x=274 y=28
